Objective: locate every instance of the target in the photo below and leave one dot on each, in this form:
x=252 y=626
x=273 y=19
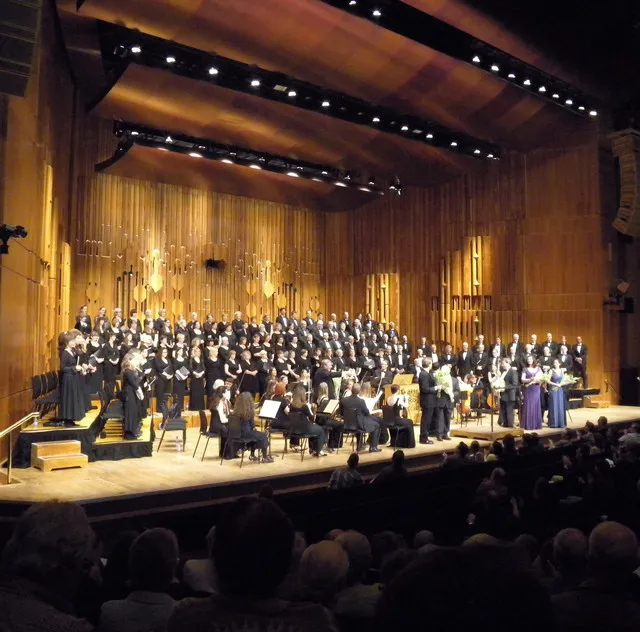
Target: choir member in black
x=72 y=399
x=181 y=327
x=83 y=321
x=351 y=362
x=480 y=361
x=445 y=403
x=102 y=314
x=448 y=357
x=147 y=378
x=536 y=347
x=427 y=386
x=244 y=411
x=213 y=369
x=253 y=328
x=96 y=360
x=127 y=344
x=133 y=318
x=509 y=395
x=464 y=363
x=366 y=364
x=196 y=385
x=220 y=410
x=249 y=373
x=148 y=322
x=229 y=335
x=132 y=396
x=383 y=376
x=579 y=353
x=87 y=369
x=280 y=363
x=181 y=342
x=231 y=367
x=167 y=334
x=566 y=361
x=433 y=355
x=263 y=366
x=281 y=420
x=241 y=346
x=224 y=350
x=164 y=373
x=256 y=347
x=181 y=373
x=325 y=375
x=406 y=438
x=111 y=363
x=304 y=363
x=210 y=328
x=300 y=405
x=159 y=323
x=266 y=345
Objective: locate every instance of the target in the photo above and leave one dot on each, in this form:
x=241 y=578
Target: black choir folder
x=183 y=372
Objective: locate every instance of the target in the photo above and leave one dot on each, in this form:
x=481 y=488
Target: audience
x=153 y=560
x=393 y=472
x=323 y=572
x=199 y=575
x=346 y=477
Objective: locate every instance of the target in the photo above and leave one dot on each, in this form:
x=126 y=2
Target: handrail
x=24 y=420
x=7 y=432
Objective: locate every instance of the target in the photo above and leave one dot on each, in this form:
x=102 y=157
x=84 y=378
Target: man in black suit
x=502 y=350
x=427 y=401
x=464 y=364
x=566 y=361
x=415 y=369
x=365 y=421
x=480 y=361
x=509 y=395
x=448 y=357
x=426 y=347
x=238 y=326
x=551 y=345
x=309 y=319
x=400 y=360
x=338 y=361
x=536 y=347
x=383 y=375
x=282 y=319
x=444 y=406
x=366 y=363
x=579 y=353
x=515 y=348
x=406 y=346
x=325 y=374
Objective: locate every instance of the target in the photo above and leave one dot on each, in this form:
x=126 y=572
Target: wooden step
x=54 y=448
x=61 y=461
x=595 y=402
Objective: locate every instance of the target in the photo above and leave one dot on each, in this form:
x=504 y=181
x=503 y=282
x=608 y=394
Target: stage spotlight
x=511 y=76
x=168 y=139
x=195 y=154
x=314 y=179
x=163 y=149
x=404 y=128
x=453 y=143
x=489 y=155
x=372 y=182
x=555 y=95
x=171 y=60
x=593 y=113
x=325 y=104
x=255 y=83
x=134 y=133
x=352 y=3
x=293 y=174
x=376 y=13
x=325 y=173
x=292 y=93
x=255 y=167
x=338 y=183
x=581 y=108
x=569 y=102
x=136 y=50
x=365 y=189
x=429 y=136
x=477 y=151
x=542 y=89
x=213 y=70
x=476 y=60
x=396 y=186
x=375 y=119
x=527 y=82
x=227 y=161
x=495 y=68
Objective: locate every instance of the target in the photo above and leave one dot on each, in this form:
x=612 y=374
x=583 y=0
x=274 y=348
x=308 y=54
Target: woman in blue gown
x=557 y=403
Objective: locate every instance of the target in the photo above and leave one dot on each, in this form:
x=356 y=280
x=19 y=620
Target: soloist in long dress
x=557 y=405
x=72 y=400
x=531 y=418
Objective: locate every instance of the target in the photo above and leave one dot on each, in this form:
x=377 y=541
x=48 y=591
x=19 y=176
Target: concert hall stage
x=169 y=481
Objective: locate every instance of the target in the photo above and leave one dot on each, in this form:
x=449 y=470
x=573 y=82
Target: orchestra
x=354 y=361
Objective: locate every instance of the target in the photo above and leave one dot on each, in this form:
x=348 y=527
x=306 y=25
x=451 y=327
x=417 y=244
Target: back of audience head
x=153 y=560
x=462 y=449
x=423 y=538
x=353 y=460
x=323 y=571
x=570 y=548
x=613 y=550
x=393 y=563
x=384 y=543
x=52 y=545
x=397 y=459
x=513 y=599
x=358 y=550
x=529 y=545
x=253 y=548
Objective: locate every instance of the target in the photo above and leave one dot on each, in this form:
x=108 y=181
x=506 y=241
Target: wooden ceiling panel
x=177 y=104
x=147 y=163
x=315 y=42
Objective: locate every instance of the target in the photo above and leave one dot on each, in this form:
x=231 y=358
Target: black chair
x=234 y=426
x=51 y=393
x=298 y=430
x=350 y=417
x=390 y=423
x=36 y=390
x=204 y=432
x=172 y=422
x=275 y=431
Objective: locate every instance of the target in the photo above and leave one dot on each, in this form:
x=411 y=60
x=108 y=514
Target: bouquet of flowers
x=444 y=381
x=545 y=378
x=497 y=384
x=567 y=380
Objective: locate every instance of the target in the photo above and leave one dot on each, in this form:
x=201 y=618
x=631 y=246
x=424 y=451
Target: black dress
x=179 y=385
x=132 y=403
x=72 y=401
x=163 y=383
x=406 y=437
x=213 y=372
x=249 y=383
x=333 y=427
x=196 y=388
x=317 y=439
x=110 y=372
x=95 y=378
x=232 y=367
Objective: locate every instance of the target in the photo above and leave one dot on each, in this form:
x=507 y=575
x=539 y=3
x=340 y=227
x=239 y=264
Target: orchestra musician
x=399 y=403
x=366 y=422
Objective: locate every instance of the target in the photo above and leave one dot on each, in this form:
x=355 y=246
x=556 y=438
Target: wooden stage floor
x=169 y=471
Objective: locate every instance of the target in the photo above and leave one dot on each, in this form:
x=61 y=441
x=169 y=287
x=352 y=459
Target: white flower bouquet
x=498 y=384
x=444 y=381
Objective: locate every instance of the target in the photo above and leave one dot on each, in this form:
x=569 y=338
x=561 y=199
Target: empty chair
x=172 y=422
x=205 y=432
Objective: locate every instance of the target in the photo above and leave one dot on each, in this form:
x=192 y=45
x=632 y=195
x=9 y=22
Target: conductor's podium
x=412 y=391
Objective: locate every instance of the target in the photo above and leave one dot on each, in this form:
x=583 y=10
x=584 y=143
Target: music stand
x=403 y=379
x=330 y=407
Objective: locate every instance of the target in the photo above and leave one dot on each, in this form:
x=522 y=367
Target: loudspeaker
x=626 y=148
x=214 y=264
x=19 y=26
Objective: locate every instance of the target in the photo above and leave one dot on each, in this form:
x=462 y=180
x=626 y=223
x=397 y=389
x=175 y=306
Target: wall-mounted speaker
x=626 y=148
x=214 y=264
x=19 y=27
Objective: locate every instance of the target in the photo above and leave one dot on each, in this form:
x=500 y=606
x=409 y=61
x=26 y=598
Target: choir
x=316 y=360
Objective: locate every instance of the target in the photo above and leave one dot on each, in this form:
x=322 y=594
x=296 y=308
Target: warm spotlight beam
x=409 y=22
x=122 y=46
x=163 y=140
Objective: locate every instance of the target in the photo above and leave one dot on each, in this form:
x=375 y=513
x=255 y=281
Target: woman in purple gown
x=531 y=418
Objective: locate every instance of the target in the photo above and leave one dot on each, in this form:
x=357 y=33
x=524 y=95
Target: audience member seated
x=356 y=600
x=43 y=564
x=346 y=477
x=198 y=575
x=422 y=538
x=251 y=553
x=570 y=548
x=606 y=600
x=395 y=471
x=323 y=572
x=153 y=559
x=116 y=575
